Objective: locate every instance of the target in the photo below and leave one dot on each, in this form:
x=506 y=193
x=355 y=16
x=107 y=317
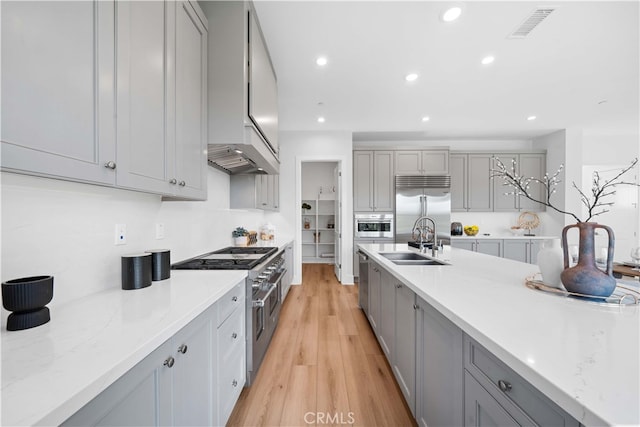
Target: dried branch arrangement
x=596 y=202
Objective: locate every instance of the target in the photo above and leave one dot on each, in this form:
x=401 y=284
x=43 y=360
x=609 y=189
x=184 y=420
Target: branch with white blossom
x=596 y=205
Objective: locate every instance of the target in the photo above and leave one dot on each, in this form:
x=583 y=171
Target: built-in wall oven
x=373 y=225
x=266 y=269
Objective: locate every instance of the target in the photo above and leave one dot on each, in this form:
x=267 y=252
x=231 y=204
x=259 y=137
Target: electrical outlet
x=121 y=234
x=159 y=230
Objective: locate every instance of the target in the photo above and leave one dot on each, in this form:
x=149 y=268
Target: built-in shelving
x=318 y=237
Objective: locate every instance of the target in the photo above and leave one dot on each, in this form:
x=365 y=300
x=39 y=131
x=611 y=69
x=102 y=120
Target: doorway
x=320 y=213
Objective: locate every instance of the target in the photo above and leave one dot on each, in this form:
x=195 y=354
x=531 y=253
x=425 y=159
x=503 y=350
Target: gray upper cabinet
x=527 y=165
x=458 y=169
x=473 y=189
x=191 y=101
x=58 y=103
x=424 y=162
x=373 y=181
x=479 y=184
x=383 y=185
x=255 y=192
x=471 y=186
x=363 y=181
x=122 y=99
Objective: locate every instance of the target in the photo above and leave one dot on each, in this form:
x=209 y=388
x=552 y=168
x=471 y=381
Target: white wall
x=317 y=176
x=66 y=229
x=297 y=147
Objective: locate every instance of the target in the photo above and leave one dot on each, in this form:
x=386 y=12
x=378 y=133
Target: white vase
x=551 y=263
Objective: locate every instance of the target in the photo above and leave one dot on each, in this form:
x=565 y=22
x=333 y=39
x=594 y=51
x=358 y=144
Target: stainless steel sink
x=410 y=258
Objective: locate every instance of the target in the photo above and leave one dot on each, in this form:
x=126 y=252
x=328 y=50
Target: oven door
x=261 y=324
x=373 y=226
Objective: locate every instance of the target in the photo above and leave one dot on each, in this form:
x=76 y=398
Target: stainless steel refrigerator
x=420 y=195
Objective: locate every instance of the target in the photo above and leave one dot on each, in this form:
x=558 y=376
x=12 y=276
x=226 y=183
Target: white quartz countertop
x=51 y=371
x=503 y=236
x=582 y=355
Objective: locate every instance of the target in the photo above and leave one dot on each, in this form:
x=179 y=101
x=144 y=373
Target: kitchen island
x=581 y=355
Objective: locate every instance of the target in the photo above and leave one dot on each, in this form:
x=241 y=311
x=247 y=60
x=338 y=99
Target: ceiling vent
x=532 y=21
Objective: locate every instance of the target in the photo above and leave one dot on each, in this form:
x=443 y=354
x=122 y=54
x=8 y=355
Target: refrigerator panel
x=408 y=210
x=438 y=207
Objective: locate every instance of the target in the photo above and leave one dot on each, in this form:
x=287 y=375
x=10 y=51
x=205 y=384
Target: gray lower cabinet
x=171 y=386
x=387 y=325
x=484 y=246
x=496 y=395
x=439 y=372
x=374 y=296
x=404 y=358
x=521 y=250
x=230 y=352
x=193 y=379
x=481 y=409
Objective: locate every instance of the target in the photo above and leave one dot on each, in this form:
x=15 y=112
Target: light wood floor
x=324 y=365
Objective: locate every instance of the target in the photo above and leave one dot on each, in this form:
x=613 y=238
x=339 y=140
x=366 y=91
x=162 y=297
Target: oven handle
x=260 y=302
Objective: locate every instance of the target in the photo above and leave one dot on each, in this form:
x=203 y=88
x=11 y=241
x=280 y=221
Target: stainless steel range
x=266 y=270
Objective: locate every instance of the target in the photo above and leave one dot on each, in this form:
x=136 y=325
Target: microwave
x=373 y=226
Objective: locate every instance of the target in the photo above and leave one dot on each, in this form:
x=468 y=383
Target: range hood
x=247 y=158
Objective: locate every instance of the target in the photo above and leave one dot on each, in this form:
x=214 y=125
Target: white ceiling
x=583 y=53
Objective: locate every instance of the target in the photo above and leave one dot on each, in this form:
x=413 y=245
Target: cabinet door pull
x=183 y=348
x=234 y=383
x=173 y=181
x=169 y=362
x=182 y=183
x=398 y=286
x=504 y=386
x=234 y=298
x=416 y=306
x=234 y=335
x=110 y=164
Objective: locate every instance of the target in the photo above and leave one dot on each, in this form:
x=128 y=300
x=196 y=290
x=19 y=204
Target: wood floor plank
x=333 y=402
x=312 y=367
x=300 y=400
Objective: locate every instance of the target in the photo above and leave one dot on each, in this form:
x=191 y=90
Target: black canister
x=136 y=271
x=456 y=229
x=161 y=264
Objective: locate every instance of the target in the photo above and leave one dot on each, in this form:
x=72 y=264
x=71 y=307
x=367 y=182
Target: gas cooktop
x=230 y=258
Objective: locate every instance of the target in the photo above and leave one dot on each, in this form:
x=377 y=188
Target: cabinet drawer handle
x=234 y=298
x=169 y=362
x=182 y=183
x=183 y=348
x=110 y=164
x=234 y=335
x=504 y=385
x=234 y=383
x=173 y=181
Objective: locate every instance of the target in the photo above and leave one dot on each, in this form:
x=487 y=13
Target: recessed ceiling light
x=451 y=14
x=411 y=77
x=488 y=60
x=531 y=118
x=425 y=119
x=320 y=119
x=321 y=61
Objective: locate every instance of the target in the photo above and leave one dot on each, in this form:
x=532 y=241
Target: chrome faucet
x=421 y=229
